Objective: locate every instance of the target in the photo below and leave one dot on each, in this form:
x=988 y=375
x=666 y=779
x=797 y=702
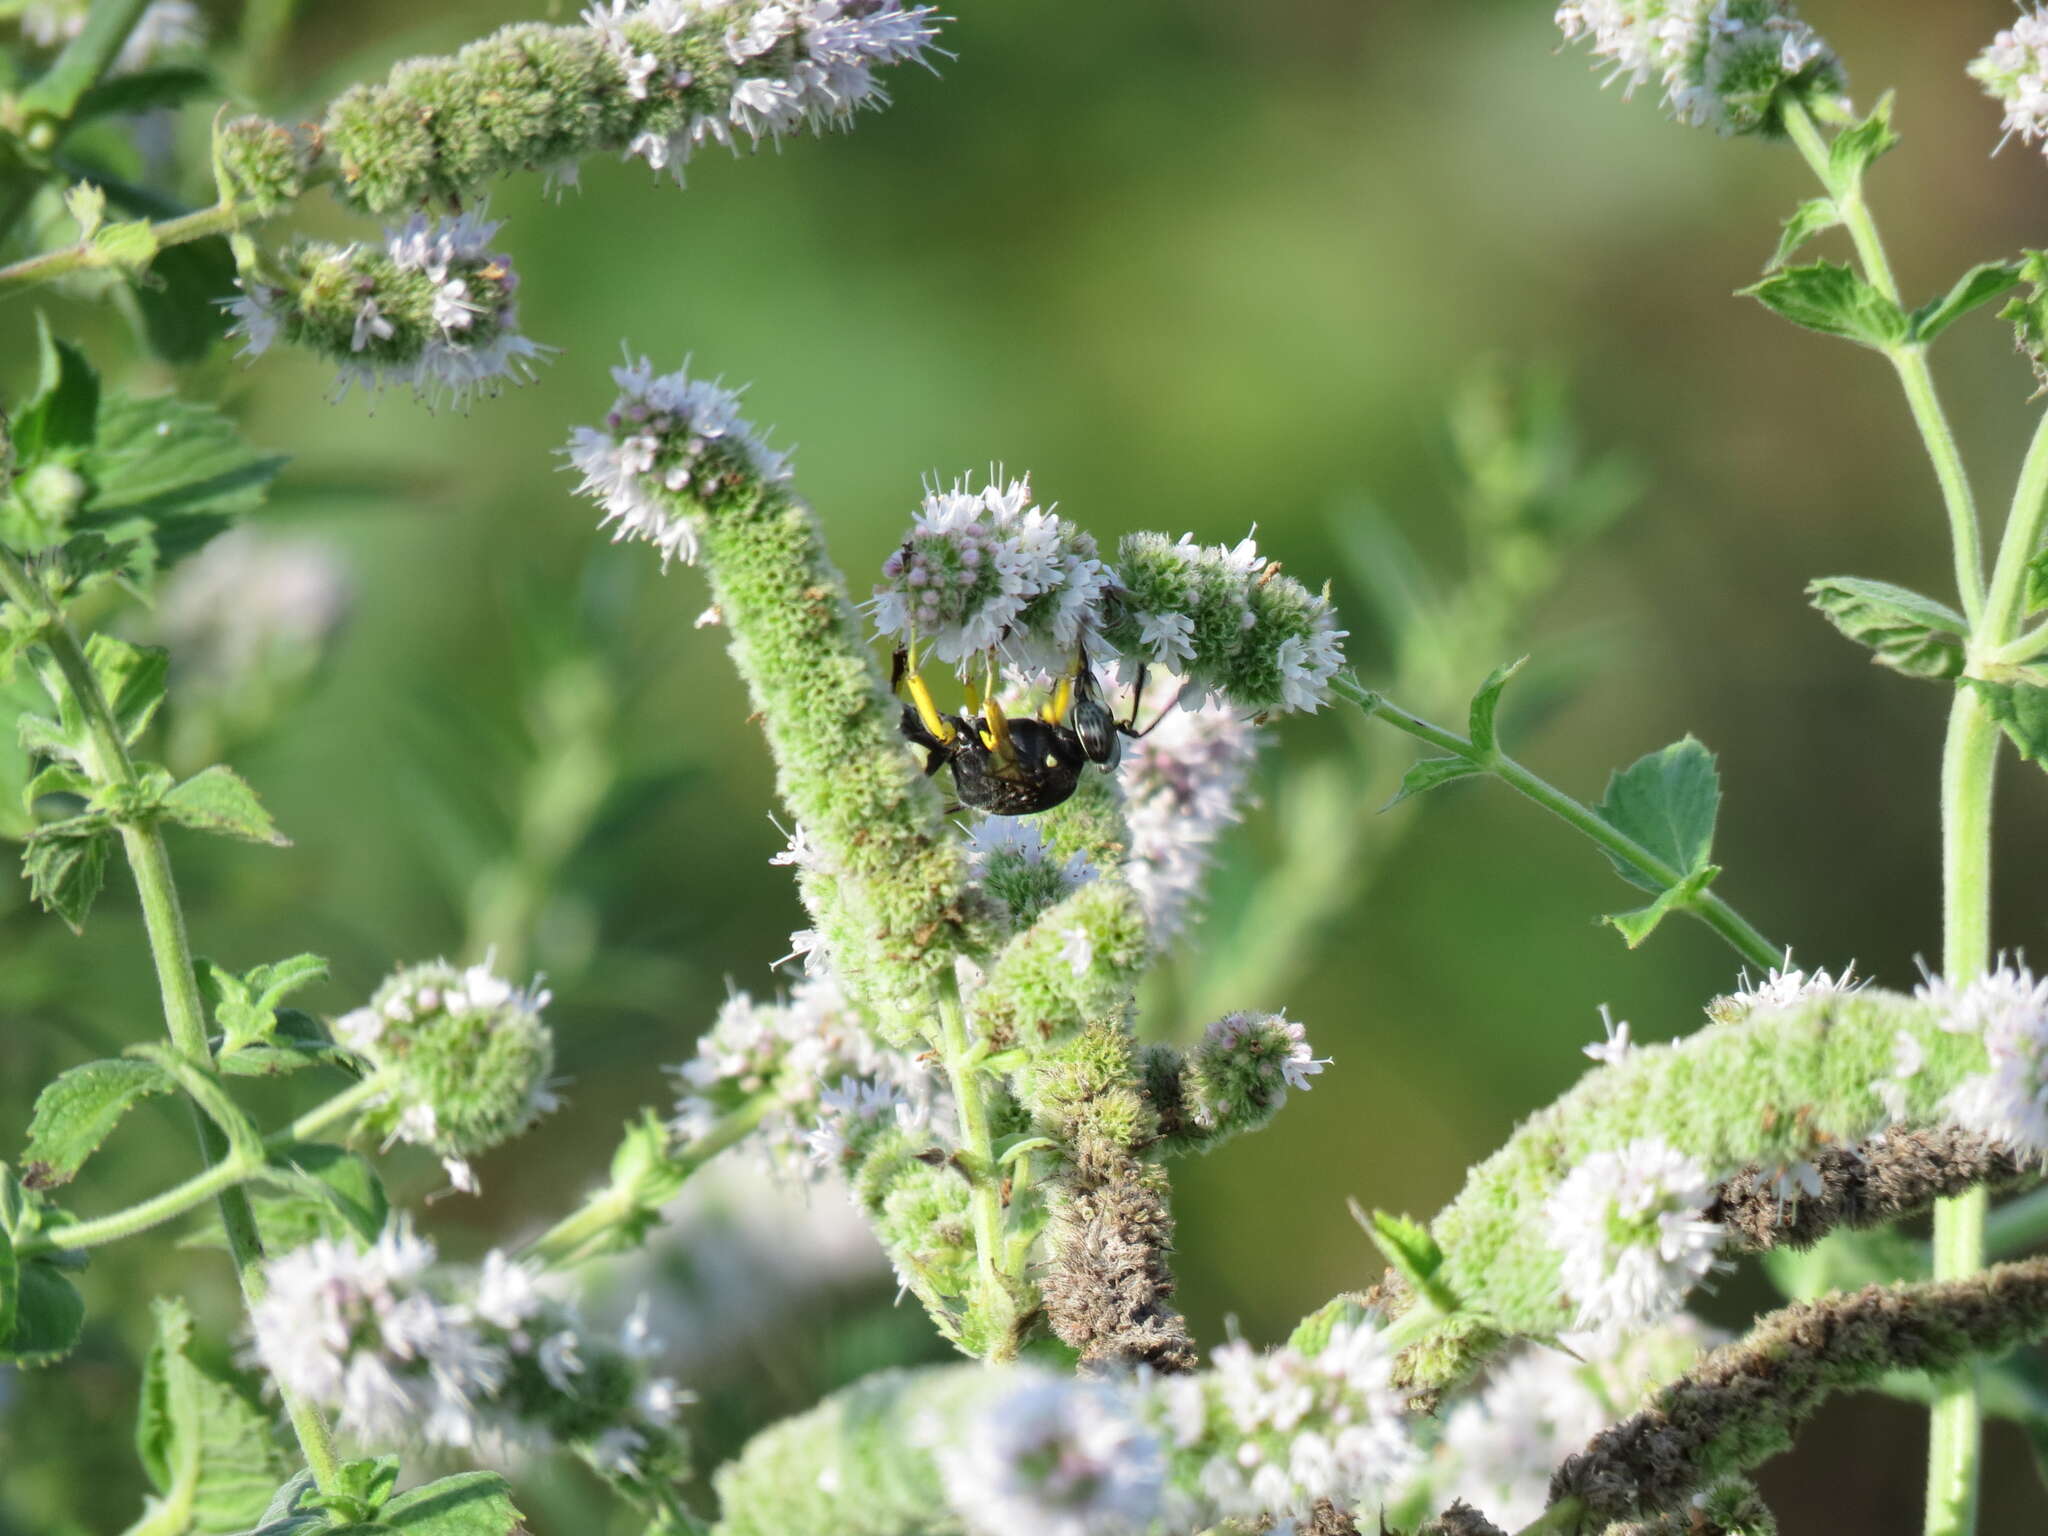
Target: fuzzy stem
x=164 y=921
x=220 y=219
x=1709 y=908
x=84 y=61
x=1908 y=359
x=584 y=1233
x=200 y=1187
x=978 y=1157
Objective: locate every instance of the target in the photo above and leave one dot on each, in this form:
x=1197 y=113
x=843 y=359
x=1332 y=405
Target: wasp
x=1018 y=766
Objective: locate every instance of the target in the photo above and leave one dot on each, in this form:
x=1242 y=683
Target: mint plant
x=1006 y=758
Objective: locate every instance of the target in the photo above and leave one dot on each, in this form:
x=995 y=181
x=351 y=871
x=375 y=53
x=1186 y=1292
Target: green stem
x=2005 y=605
x=220 y=219
x=108 y=763
x=230 y=1170
x=584 y=1232
x=83 y=63
x=1562 y=1518
x=1741 y=935
x=978 y=1158
x=1908 y=359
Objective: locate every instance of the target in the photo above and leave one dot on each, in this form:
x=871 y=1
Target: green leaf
x=165 y=459
x=1828 y=297
x=59 y=416
x=2037 y=583
x=127 y=247
x=2029 y=313
x=1975 y=288
x=328 y=1192
x=2022 y=709
x=66 y=864
x=57 y=779
x=132 y=677
x=467 y=1504
x=1856 y=147
x=78 y=1111
x=1486 y=703
x=206 y=1446
x=1666 y=801
x=218 y=799
x=48 y=1316
x=282 y=1515
x=1907 y=632
x=1429 y=773
x=1407 y=1246
x=1638 y=925
x=297 y=1040
x=182 y=297
x=246 y=1007
x=1808 y=219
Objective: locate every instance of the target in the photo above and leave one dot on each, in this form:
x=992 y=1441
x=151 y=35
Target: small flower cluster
x=2014 y=73
x=1183 y=784
x=793 y=64
x=652 y=80
x=850 y=1112
x=1053 y=1456
x=400 y=1350
x=1724 y=64
x=1237 y=1078
x=1501 y=1445
x=989 y=570
x=165 y=27
x=430 y=308
x=1226 y=621
x=464 y=1056
x=1012 y=864
x=2008 y=1010
x=1782 y=988
x=794 y=1050
x=1631 y=1227
x=1272 y=1433
x=669 y=446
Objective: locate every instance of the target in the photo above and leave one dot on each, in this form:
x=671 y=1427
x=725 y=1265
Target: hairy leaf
x=1638 y=925
x=2022 y=709
x=78 y=1111
x=1975 y=288
x=467 y=1504
x=48 y=1316
x=1486 y=703
x=327 y=1191
x=218 y=799
x=132 y=677
x=1856 y=146
x=1907 y=632
x=1666 y=801
x=206 y=1446
x=1808 y=219
x=1429 y=773
x=1828 y=297
x=66 y=864
x=58 y=418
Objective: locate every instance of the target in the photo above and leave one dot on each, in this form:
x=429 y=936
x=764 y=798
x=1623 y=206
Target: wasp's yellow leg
x=928 y=710
x=1062 y=700
x=998 y=730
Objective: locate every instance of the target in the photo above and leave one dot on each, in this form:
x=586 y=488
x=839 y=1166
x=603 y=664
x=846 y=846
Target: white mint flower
x=989 y=570
x=1615 y=1048
x=1631 y=1230
x=802 y=64
x=669 y=444
x=2008 y=1010
x=1908 y=1057
x=1722 y=63
x=1055 y=1457
x=1078 y=950
x=1788 y=987
x=1184 y=782
x=1272 y=1433
x=2014 y=72
x=165 y=27
x=849 y=1109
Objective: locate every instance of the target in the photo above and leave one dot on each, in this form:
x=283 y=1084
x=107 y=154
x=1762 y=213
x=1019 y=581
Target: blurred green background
x=1195 y=264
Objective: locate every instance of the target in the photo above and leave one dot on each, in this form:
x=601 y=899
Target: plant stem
x=220 y=219
x=1741 y=935
x=164 y=921
x=200 y=1187
x=1908 y=359
x=978 y=1157
x=582 y=1233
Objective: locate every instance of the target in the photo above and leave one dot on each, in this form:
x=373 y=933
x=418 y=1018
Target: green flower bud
x=465 y=1053
x=261 y=163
